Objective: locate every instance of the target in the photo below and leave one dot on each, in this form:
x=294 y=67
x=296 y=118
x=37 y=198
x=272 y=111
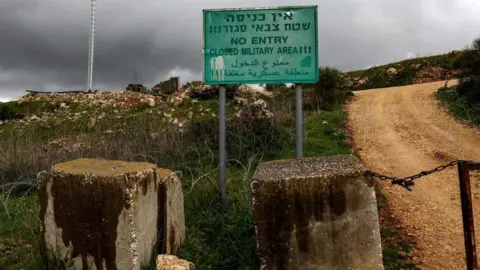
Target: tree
x=329 y=90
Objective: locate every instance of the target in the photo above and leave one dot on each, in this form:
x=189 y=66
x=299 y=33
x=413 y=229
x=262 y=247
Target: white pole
x=91 y=45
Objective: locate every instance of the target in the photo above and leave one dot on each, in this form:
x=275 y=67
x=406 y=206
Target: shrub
x=467 y=98
x=245 y=137
x=458 y=104
x=330 y=89
x=469 y=60
x=470 y=89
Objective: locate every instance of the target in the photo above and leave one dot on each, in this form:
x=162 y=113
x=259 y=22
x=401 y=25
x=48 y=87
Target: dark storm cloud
x=44 y=44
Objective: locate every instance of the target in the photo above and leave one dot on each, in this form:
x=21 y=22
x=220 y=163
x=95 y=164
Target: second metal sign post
x=259 y=46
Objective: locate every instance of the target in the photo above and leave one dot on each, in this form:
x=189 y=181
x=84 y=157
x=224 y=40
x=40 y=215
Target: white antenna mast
x=91 y=43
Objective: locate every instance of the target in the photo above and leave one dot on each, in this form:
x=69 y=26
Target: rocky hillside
x=71 y=114
x=411 y=71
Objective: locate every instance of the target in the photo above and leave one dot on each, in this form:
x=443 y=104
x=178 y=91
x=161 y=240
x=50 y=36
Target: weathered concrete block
x=315 y=213
x=105 y=214
x=170 y=262
x=171 y=196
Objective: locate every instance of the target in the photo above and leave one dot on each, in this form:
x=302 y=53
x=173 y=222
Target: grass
x=397 y=245
x=18 y=233
x=216 y=238
x=459 y=106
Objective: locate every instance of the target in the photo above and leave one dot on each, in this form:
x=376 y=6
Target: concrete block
x=102 y=214
x=315 y=213
x=171 y=196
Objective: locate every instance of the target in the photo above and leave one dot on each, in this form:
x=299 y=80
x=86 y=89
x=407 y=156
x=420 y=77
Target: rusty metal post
x=467 y=215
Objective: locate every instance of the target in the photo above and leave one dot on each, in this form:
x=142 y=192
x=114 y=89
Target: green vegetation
x=463 y=100
x=395 y=253
x=405 y=72
x=19 y=238
x=396 y=244
x=459 y=105
x=331 y=89
x=216 y=238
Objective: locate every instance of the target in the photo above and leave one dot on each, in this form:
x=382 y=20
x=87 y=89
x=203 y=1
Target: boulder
x=150 y=101
x=392 y=71
x=170 y=262
x=258 y=110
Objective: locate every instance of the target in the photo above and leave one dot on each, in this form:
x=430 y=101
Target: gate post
x=467 y=216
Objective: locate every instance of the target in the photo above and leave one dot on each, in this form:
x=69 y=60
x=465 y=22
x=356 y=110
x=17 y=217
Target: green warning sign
x=261 y=45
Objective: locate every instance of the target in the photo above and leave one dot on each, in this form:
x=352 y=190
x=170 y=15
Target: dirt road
x=402 y=131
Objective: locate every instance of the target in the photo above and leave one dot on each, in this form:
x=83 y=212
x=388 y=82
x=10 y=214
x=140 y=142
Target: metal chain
x=408 y=181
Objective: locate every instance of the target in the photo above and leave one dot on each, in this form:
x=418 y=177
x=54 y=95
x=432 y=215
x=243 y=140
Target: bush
x=470 y=89
x=330 y=89
x=469 y=60
x=464 y=99
x=245 y=138
x=459 y=104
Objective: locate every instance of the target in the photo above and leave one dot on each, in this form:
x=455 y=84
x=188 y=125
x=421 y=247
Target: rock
x=241 y=101
x=92 y=122
x=260 y=103
x=362 y=81
x=255 y=111
x=177 y=101
x=1 y=122
x=151 y=102
x=170 y=262
x=105 y=99
x=392 y=71
x=33 y=117
x=432 y=74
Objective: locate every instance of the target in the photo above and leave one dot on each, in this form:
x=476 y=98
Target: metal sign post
x=259 y=46
x=299 y=119
x=222 y=150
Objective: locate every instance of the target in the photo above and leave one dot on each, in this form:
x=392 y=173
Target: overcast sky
x=44 y=43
